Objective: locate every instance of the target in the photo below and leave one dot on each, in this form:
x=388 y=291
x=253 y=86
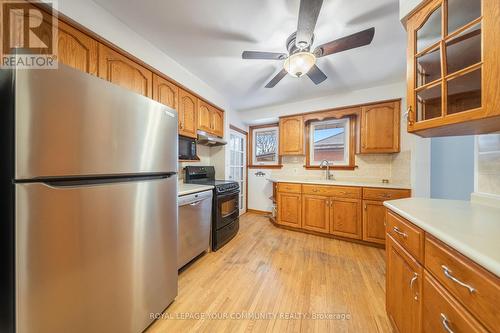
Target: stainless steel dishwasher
x=195 y=215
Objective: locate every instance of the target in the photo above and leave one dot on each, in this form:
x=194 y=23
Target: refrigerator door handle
x=87 y=181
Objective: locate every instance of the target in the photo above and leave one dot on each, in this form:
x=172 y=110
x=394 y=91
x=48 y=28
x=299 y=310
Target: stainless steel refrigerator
x=88 y=202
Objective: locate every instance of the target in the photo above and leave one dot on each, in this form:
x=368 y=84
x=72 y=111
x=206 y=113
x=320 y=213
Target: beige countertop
x=337 y=182
x=185 y=189
x=472 y=229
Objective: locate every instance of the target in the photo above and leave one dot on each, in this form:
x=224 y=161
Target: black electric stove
x=225 y=207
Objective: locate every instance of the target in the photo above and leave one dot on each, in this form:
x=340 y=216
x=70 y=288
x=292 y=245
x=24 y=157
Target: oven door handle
x=227 y=194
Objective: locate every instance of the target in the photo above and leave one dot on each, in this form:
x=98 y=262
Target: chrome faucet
x=324 y=163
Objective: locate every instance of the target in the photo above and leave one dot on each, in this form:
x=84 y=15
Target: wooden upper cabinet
x=453 y=68
x=74 y=48
x=165 y=92
x=116 y=68
x=205 y=118
x=77 y=49
x=380 y=128
x=316 y=213
x=218 y=122
x=188 y=114
x=403 y=289
x=345 y=218
x=291 y=132
x=210 y=119
x=289 y=209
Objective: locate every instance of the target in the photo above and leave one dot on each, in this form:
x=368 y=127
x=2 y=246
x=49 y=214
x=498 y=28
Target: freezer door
x=69 y=123
x=98 y=258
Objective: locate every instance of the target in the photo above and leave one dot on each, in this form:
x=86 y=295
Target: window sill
x=265 y=166
x=335 y=167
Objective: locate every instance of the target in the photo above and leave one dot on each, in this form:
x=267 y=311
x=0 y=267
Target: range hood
x=209 y=140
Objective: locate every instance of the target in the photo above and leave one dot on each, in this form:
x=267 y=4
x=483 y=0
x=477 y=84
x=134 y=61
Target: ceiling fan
x=300 y=60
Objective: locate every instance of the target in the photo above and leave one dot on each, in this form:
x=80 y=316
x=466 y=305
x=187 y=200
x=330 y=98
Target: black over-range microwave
x=187 y=148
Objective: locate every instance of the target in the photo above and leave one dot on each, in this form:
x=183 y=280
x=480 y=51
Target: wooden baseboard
x=311 y=232
x=259 y=212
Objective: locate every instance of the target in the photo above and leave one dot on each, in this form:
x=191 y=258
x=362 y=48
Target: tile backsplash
x=488 y=164
x=370 y=168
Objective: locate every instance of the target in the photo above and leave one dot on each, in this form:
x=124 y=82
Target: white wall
x=406 y=6
x=413 y=159
x=97 y=19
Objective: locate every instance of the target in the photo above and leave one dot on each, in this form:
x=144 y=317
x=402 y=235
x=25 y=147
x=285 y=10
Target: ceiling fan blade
x=361 y=38
x=276 y=79
x=316 y=75
x=264 y=55
x=308 y=15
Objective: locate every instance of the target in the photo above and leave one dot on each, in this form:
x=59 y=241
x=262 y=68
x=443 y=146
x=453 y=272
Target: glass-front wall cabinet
x=446 y=66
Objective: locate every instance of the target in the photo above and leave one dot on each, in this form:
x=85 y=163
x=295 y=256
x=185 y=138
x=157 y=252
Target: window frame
x=251 y=147
x=350 y=139
x=347 y=147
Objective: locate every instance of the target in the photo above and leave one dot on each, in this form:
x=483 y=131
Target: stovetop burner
x=205 y=175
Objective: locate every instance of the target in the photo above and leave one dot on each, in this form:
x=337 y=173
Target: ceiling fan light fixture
x=299 y=63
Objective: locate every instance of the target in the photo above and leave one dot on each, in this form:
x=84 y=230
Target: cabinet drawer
x=441 y=312
x=384 y=194
x=458 y=274
x=333 y=191
x=408 y=235
x=289 y=187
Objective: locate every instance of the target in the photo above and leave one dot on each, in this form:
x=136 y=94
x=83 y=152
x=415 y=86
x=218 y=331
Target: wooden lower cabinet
x=442 y=313
x=404 y=288
x=316 y=213
x=345 y=218
x=441 y=292
x=289 y=209
x=374 y=221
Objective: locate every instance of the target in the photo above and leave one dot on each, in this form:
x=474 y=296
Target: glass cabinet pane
x=428 y=67
x=429 y=103
x=464 y=50
x=464 y=92
x=461 y=12
x=430 y=32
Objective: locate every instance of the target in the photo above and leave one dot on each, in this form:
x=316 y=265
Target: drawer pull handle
x=399 y=232
x=315 y=190
x=447 y=272
x=412 y=281
x=445 y=323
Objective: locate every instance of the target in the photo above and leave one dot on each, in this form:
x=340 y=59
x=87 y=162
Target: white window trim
x=347 y=135
x=254 y=143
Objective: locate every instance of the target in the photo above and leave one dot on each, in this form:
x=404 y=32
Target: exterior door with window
x=237 y=164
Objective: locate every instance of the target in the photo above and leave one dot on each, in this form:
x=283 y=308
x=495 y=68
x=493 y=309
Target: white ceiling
x=208 y=36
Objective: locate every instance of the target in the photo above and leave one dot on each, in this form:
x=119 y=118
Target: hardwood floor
x=272 y=273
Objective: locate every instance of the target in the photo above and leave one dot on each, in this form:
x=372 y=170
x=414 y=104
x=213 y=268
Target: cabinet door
x=165 y=92
x=315 y=213
x=76 y=49
x=441 y=311
x=374 y=221
x=218 y=122
x=205 y=118
x=188 y=111
x=345 y=218
x=403 y=288
x=289 y=209
x=116 y=68
x=380 y=128
x=291 y=135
